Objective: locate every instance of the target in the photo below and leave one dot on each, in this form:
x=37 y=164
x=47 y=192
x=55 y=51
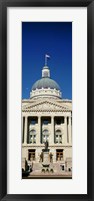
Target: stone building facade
x=47 y=117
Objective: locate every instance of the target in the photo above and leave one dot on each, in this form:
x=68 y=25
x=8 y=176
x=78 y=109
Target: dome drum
x=45 y=93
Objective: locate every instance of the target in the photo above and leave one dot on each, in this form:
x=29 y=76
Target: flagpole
x=45 y=60
x=46 y=56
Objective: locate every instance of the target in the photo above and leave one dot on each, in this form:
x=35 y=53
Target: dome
x=44 y=87
x=45 y=83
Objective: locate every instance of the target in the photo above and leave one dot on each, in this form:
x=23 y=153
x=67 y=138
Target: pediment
x=45 y=106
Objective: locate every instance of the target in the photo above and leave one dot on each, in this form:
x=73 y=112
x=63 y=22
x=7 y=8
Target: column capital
x=26 y=117
x=39 y=117
x=52 y=117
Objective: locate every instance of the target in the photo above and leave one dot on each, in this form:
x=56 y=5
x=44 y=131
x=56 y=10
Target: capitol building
x=46 y=116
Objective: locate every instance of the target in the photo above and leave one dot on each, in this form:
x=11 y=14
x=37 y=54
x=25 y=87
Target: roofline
x=59 y=99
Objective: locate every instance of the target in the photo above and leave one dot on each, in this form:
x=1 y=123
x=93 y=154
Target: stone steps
x=55 y=166
x=37 y=166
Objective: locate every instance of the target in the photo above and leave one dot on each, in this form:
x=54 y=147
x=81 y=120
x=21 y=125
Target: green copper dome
x=45 y=83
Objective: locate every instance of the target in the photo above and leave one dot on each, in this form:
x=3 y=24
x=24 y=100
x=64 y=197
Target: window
x=32 y=136
x=31 y=154
x=33 y=131
x=45 y=132
x=62 y=167
x=58 y=137
x=45 y=136
x=63 y=120
x=58 y=121
x=59 y=154
x=58 y=132
x=45 y=73
x=33 y=121
x=45 y=122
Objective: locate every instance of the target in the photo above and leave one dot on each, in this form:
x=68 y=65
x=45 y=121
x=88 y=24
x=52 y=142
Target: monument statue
x=47 y=163
x=41 y=157
x=46 y=145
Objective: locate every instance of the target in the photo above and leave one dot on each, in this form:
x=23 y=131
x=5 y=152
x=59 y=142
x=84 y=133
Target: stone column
x=65 y=135
x=25 y=130
x=52 y=131
x=39 y=130
x=70 y=140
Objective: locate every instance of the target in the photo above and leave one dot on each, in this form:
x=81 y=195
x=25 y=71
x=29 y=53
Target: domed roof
x=45 y=83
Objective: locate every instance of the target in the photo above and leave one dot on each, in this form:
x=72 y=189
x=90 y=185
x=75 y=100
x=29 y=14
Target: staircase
x=37 y=166
x=57 y=167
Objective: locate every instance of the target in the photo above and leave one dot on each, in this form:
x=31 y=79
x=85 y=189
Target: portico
x=56 y=129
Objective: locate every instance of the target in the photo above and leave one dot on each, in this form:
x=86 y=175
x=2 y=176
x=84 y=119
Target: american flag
x=47 y=56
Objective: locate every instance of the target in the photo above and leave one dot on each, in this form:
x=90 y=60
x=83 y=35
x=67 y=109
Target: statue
x=41 y=157
x=46 y=145
x=51 y=157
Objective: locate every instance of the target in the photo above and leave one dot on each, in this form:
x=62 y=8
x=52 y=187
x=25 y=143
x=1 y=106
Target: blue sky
x=54 y=39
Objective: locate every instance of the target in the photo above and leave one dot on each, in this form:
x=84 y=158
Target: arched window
x=58 y=131
x=58 y=137
x=45 y=136
x=32 y=136
x=33 y=131
x=45 y=132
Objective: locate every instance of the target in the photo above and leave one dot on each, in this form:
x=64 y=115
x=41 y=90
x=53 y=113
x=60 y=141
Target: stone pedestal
x=47 y=164
x=46 y=158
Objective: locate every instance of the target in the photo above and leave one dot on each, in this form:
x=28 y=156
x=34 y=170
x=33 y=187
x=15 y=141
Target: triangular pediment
x=45 y=106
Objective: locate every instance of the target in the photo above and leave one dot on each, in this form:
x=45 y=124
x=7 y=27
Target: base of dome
x=45 y=93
